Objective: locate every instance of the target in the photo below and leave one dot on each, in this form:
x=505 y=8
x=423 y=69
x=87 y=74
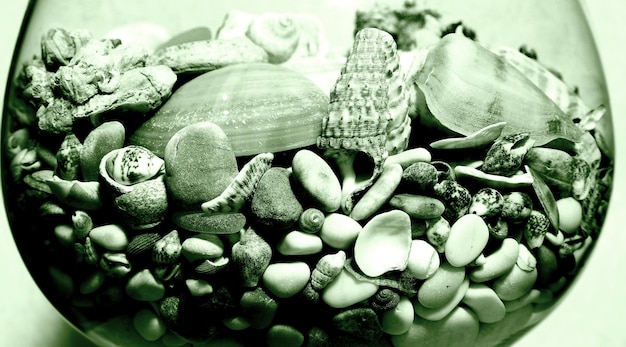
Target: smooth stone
x=143 y=286
x=110 y=236
x=515 y=283
x=274 y=206
x=100 y=141
x=236 y=323
x=282 y=335
x=570 y=214
x=497 y=263
x=317 y=179
x=493 y=334
x=524 y=300
x=458 y=329
x=149 y=325
x=208 y=247
x=258 y=308
x=468 y=237
x=484 y=302
x=339 y=231
x=198 y=287
x=145 y=206
x=219 y=223
x=379 y=193
x=399 y=319
x=424 y=260
x=199 y=165
x=345 y=290
x=286 y=279
x=92 y=282
x=547 y=266
x=384 y=243
x=361 y=322
x=441 y=287
x=299 y=243
x=418 y=206
x=439 y=313
x=65 y=235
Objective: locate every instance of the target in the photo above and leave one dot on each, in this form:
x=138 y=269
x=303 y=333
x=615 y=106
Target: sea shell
x=535 y=229
x=241 y=188
x=516 y=207
x=480 y=138
x=209 y=267
x=467 y=88
x=486 y=202
x=278 y=34
x=82 y=224
x=490 y=180
x=326 y=269
x=260 y=107
x=385 y=299
x=68 y=158
x=77 y=194
x=384 y=243
x=311 y=220
x=546 y=199
x=455 y=197
x=368 y=110
x=400 y=280
x=114 y=264
x=567 y=174
x=250 y=257
x=141 y=245
x=506 y=154
x=167 y=250
x=133 y=164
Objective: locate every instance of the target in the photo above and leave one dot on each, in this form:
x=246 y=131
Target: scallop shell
x=241 y=188
x=260 y=107
x=133 y=164
x=278 y=34
x=467 y=87
x=368 y=109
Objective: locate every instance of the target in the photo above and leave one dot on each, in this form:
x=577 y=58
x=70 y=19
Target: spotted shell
x=506 y=154
x=167 y=250
x=133 y=164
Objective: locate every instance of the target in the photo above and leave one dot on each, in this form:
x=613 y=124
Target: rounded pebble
x=286 y=279
x=258 y=308
x=236 y=323
x=317 y=179
x=468 y=237
x=441 y=287
x=207 y=246
x=92 y=283
x=172 y=340
x=274 y=207
x=143 y=286
x=498 y=262
x=100 y=141
x=299 y=243
x=547 y=266
x=345 y=290
x=198 y=287
x=435 y=314
x=281 y=335
x=458 y=329
x=110 y=236
x=524 y=300
x=149 y=325
x=398 y=320
x=423 y=260
x=418 y=206
x=484 y=302
x=65 y=235
x=515 y=283
x=379 y=193
x=570 y=214
x=361 y=322
x=420 y=176
x=339 y=231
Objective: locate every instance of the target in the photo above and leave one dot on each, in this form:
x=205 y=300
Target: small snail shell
x=277 y=33
x=311 y=220
x=327 y=268
x=134 y=164
x=385 y=299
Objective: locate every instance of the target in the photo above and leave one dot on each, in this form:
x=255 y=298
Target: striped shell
x=209 y=267
x=385 y=299
x=82 y=224
x=241 y=188
x=142 y=245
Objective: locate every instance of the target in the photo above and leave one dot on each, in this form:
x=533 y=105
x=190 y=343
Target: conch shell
x=368 y=110
x=467 y=87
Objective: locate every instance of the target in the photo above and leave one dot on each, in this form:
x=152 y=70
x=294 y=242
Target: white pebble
x=468 y=237
x=570 y=214
x=423 y=260
x=346 y=290
x=300 y=243
x=339 y=231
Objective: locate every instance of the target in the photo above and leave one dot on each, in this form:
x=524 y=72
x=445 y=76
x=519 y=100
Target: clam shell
x=467 y=87
x=260 y=107
x=384 y=243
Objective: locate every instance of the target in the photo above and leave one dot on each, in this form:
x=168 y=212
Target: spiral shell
x=326 y=269
x=167 y=250
x=241 y=188
x=311 y=220
x=278 y=34
x=385 y=299
x=134 y=164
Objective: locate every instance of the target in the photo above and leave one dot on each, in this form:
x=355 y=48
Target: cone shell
x=260 y=107
x=369 y=105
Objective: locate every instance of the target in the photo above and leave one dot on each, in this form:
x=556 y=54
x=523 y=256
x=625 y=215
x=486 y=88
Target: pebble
x=143 y=286
x=423 y=261
x=92 y=283
x=398 y=320
x=250 y=257
x=345 y=290
x=100 y=141
x=361 y=322
x=198 y=287
x=420 y=176
x=339 y=231
x=379 y=193
x=199 y=165
x=441 y=287
x=144 y=206
x=149 y=325
x=172 y=340
x=515 y=283
x=258 y=308
x=384 y=243
x=109 y=236
x=317 y=180
x=285 y=280
x=236 y=323
x=468 y=237
x=547 y=266
x=206 y=246
x=570 y=214
x=299 y=243
x=274 y=206
x=410 y=156
x=492 y=334
x=497 y=263
x=439 y=313
x=524 y=300
x=65 y=235
x=460 y=328
x=282 y=335
x=418 y=206
x=484 y=302
x=200 y=222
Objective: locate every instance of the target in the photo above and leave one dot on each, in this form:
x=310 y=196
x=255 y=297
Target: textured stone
x=274 y=205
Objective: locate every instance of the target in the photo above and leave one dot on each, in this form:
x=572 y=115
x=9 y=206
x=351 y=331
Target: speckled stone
x=274 y=205
x=100 y=141
x=361 y=322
